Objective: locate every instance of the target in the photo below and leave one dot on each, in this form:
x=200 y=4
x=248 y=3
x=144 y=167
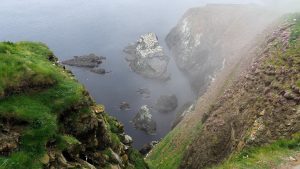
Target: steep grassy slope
x=47 y=119
x=282 y=44
x=261 y=107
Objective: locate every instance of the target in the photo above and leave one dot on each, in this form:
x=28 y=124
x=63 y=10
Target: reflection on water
x=78 y=27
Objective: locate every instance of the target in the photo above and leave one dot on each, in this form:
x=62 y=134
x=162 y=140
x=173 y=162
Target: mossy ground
x=169 y=153
x=264 y=157
x=25 y=66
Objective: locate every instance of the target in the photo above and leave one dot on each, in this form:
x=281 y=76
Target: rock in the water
x=144 y=92
x=148 y=147
x=147 y=58
x=89 y=61
x=166 y=103
x=124 y=106
x=98 y=70
x=143 y=120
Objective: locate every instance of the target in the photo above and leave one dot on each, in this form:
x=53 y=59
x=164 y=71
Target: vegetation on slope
x=48 y=119
x=276 y=153
x=168 y=154
x=180 y=138
x=260 y=108
x=264 y=157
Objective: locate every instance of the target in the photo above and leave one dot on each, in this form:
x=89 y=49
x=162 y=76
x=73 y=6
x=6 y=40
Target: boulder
x=166 y=104
x=147 y=58
x=143 y=120
x=127 y=140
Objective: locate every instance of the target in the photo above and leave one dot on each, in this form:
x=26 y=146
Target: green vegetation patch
x=169 y=152
x=28 y=64
x=263 y=157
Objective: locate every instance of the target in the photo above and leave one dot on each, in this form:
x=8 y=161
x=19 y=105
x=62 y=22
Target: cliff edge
x=48 y=119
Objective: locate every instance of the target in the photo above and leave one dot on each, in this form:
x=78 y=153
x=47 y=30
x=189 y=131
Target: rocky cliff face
x=48 y=120
x=260 y=107
x=207 y=38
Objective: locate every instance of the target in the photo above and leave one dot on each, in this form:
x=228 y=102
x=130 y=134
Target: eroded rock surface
x=143 y=120
x=147 y=58
x=207 y=38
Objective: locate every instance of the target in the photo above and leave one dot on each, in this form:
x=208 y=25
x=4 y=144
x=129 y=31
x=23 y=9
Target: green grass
x=263 y=157
x=296 y=30
x=27 y=64
x=169 y=153
x=137 y=160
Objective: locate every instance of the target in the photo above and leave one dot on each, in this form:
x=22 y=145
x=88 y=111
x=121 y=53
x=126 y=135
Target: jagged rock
x=148 y=147
x=89 y=61
x=127 y=139
x=166 y=103
x=147 y=58
x=143 y=120
x=199 y=42
x=8 y=143
x=115 y=157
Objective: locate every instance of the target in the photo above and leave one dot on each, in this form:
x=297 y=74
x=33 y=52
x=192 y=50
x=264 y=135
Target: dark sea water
x=103 y=27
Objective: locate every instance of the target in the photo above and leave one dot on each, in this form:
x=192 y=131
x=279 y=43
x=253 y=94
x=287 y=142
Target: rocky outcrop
x=143 y=120
x=260 y=107
x=147 y=58
x=207 y=38
x=166 y=103
x=91 y=61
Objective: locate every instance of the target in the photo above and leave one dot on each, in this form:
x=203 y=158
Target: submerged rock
x=124 y=106
x=99 y=70
x=146 y=57
x=166 y=104
x=89 y=61
x=143 y=120
x=144 y=92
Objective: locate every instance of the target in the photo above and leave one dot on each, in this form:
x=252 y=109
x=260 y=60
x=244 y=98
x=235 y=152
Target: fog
x=78 y=27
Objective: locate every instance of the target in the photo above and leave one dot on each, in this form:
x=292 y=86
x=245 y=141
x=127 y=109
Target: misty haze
x=149 y=84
